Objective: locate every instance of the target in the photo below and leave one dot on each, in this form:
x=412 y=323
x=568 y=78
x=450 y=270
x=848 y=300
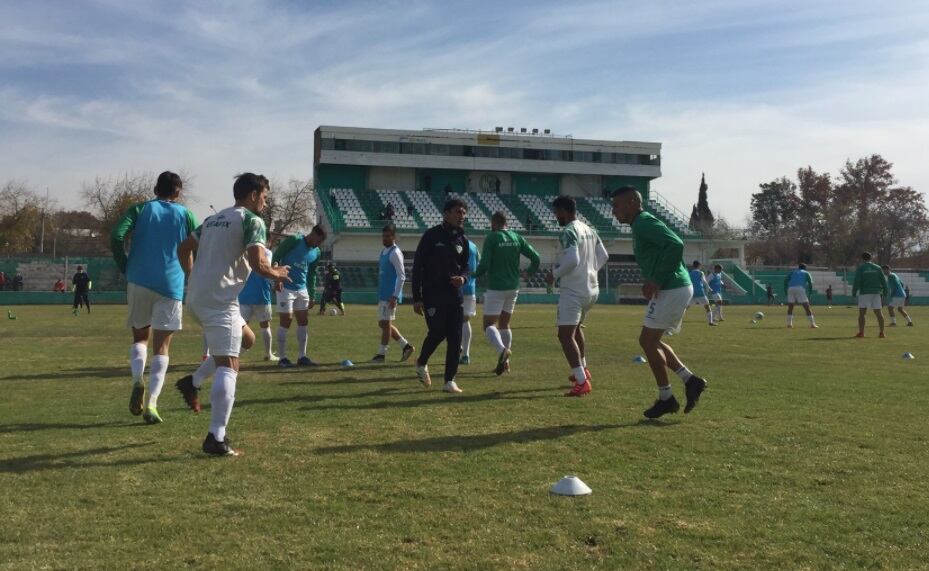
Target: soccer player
x=582 y=255
x=829 y=296
x=80 y=284
x=897 y=297
x=798 y=284
x=332 y=291
x=155 y=288
x=716 y=290
x=660 y=255
x=500 y=262
x=468 y=304
x=869 y=285
x=440 y=270
x=255 y=303
x=701 y=286
x=390 y=277
x=297 y=297
x=229 y=245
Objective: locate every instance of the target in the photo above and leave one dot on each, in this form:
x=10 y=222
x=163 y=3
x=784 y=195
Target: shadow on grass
x=473 y=442
x=442 y=400
x=318 y=398
x=843 y=338
x=411 y=376
x=90 y=373
x=76 y=459
x=34 y=426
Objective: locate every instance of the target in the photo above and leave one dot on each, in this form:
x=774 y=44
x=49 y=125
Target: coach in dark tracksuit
x=440 y=268
x=81 y=283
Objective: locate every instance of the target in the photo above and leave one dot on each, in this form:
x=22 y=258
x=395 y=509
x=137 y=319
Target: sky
x=745 y=91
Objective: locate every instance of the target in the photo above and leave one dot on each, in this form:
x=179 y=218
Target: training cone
x=570 y=486
x=639 y=359
x=347 y=363
x=908 y=356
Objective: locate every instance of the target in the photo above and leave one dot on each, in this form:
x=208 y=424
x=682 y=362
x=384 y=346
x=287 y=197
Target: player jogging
x=716 y=290
x=332 y=290
x=500 y=262
x=229 y=245
x=390 y=277
x=155 y=289
x=701 y=286
x=870 y=285
x=255 y=303
x=660 y=255
x=798 y=284
x=468 y=304
x=897 y=297
x=582 y=255
x=301 y=253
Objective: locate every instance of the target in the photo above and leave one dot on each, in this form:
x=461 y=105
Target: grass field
x=808 y=451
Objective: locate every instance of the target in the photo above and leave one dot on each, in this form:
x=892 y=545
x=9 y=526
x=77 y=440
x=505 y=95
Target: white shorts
x=223 y=341
x=469 y=305
x=148 y=308
x=257 y=312
x=385 y=313
x=289 y=300
x=573 y=308
x=666 y=310
x=897 y=302
x=699 y=300
x=797 y=294
x=869 y=301
x=498 y=301
x=716 y=296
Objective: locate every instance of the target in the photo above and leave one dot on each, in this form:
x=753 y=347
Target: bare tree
x=291 y=207
x=21 y=217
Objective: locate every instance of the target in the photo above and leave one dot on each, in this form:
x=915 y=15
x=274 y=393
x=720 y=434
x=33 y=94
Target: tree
x=108 y=198
x=901 y=224
x=290 y=208
x=813 y=206
x=701 y=218
x=21 y=212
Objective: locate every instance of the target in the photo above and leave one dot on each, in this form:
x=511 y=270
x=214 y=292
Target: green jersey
x=500 y=259
x=659 y=252
x=869 y=278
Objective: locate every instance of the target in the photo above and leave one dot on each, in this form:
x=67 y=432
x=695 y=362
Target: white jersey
x=582 y=256
x=221 y=268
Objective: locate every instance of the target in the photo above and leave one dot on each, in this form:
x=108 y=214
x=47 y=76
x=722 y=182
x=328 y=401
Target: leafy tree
x=701 y=218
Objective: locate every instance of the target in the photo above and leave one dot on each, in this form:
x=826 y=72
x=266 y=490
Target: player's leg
x=893 y=315
x=435 y=334
x=719 y=307
x=338 y=302
x=880 y=320
x=650 y=341
x=790 y=313
x=909 y=320
x=86 y=298
x=224 y=344
x=693 y=385
x=405 y=345
x=285 y=304
x=453 y=328
x=709 y=313
x=302 y=315
x=465 y=340
x=861 y=320
x=267 y=339
x=138 y=353
x=809 y=315
x=384 y=326
x=506 y=336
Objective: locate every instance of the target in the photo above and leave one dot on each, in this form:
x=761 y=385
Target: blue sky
x=743 y=90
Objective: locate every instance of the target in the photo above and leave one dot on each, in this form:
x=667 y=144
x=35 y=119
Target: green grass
x=809 y=451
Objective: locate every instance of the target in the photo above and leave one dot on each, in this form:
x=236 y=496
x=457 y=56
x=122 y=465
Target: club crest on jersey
x=431 y=311
x=459 y=249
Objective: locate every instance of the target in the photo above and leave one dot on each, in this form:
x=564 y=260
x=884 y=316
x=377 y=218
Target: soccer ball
x=759 y=316
x=333 y=311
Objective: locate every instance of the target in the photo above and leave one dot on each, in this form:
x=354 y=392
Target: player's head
x=801 y=265
x=718 y=269
x=565 y=209
x=696 y=264
x=389 y=235
x=168 y=186
x=454 y=212
x=251 y=191
x=886 y=269
x=315 y=237
x=627 y=204
x=80 y=268
x=498 y=221
x=866 y=256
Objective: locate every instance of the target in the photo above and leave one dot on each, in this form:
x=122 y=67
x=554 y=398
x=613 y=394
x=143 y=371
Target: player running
x=390 y=277
x=798 y=285
x=468 y=304
x=897 y=297
x=155 y=289
x=229 y=245
x=701 y=286
x=255 y=303
x=500 y=262
x=301 y=253
x=582 y=256
x=716 y=291
x=870 y=285
x=332 y=290
x=660 y=255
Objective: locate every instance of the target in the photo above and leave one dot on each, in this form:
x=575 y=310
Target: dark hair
x=885 y=267
x=717 y=266
x=167 y=184
x=498 y=218
x=802 y=266
x=389 y=227
x=453 y=203
x=247 y=183
x=866 y=255
x=319 y=231
x=623 y=190
x=565 y=203
x=696 y=263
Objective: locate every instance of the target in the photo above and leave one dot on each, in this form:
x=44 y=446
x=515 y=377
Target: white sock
x=466 y=338
x=811 y=319
x=493 y=336
x=584 y=362
x=579 y=375
x=282 y=342
x=709 y=317
x=684 y=373
x=301 y=339
x=402 y=341
x=268 y=341
x=383 y=350
x=204 y=371
x=221 y=398
x=156 y=381
x=137 y=354
x=506 y=335
x=908 y=320
x=790 y=320
x=664 y=393
x=206 y=348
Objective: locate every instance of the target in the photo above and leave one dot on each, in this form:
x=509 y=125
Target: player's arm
x=602 y=255
x=883 y=279
x=856 y=283
x=185 y=251
x=528 y=251
x=459 y=279
x=419 y=260
x=311 y=279
x=809 y=284
x=396 y=260
x=259 y=263
x=487 y=253
x=786 y=282
x=118 y=235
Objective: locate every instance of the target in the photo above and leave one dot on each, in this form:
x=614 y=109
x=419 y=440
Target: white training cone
x=908 y=356
x=347 y=363
x=639 y=359
x=570 y=486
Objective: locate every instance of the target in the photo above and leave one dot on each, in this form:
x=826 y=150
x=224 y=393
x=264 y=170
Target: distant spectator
x=17 y=283
x=81 y=286
x=497 y=185
x=409 y=210
x=59 y=286
x=2 y=281
x=770 y=294
x=529 y=224
x=447 y=189
x=906 y=300
x=389 y=212
x=829 y=295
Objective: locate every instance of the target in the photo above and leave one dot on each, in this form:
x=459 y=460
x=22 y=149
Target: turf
x=808 y=451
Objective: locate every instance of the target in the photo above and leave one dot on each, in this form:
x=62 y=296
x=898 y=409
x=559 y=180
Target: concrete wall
x=391 y=178
x=582 y=185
